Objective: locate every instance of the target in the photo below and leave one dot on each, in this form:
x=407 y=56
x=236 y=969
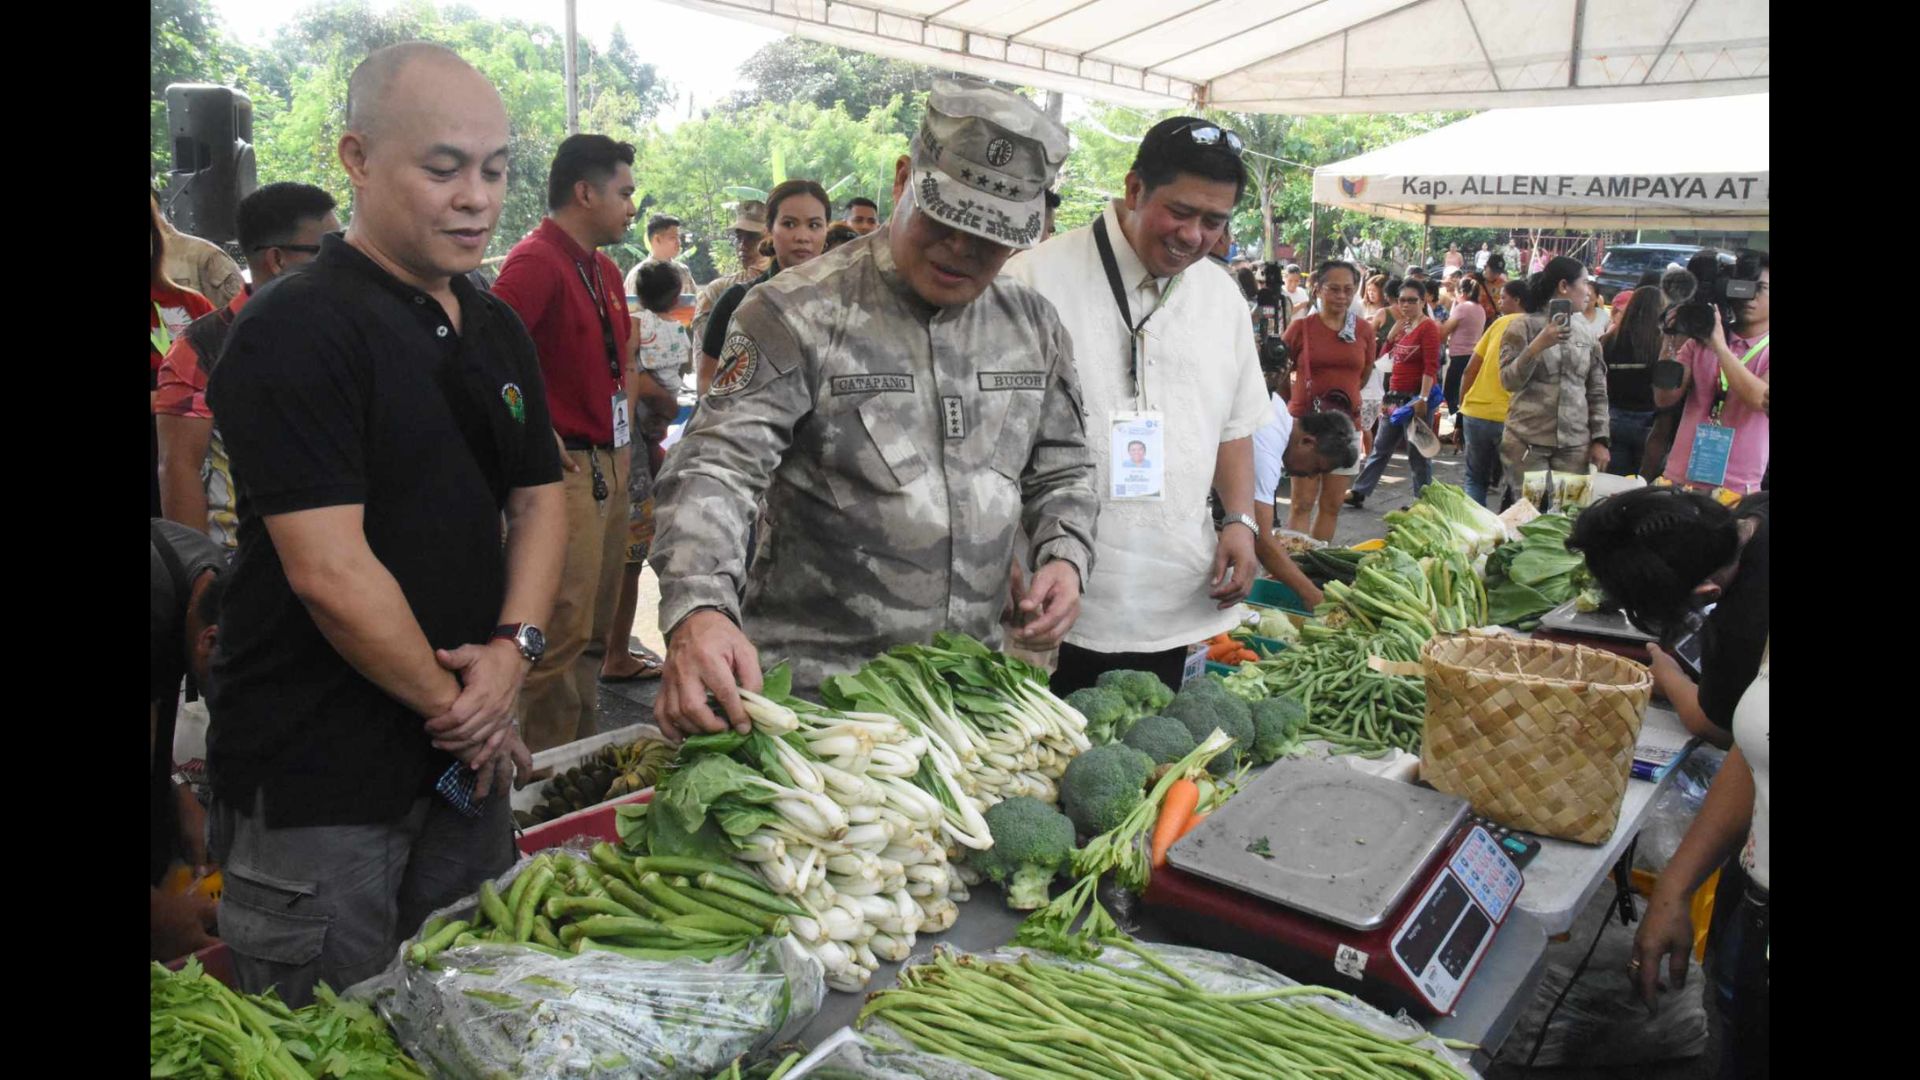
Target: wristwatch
x=532 y=643
x=1242 y=519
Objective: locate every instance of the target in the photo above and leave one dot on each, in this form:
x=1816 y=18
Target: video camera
x=1717 y=278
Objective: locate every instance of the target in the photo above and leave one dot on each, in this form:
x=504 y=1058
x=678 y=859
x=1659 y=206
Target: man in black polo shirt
x=381 y=416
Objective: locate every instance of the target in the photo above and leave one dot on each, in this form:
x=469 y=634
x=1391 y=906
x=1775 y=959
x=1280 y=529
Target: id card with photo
x=622 y=422
x=1137 y=456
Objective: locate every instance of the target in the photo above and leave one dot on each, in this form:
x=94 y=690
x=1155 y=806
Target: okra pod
x=530 y=902
x=493 y=907
x=439 y=941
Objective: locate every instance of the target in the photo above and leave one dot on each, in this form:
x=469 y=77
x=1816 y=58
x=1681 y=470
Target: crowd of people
x=394 y=505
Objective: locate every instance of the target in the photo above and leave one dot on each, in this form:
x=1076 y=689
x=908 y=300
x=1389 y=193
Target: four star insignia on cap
x=966 y=174
x=998 y=186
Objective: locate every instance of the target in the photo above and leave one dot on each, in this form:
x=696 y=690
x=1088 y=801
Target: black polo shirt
x=340 y=385
x=1735 y=635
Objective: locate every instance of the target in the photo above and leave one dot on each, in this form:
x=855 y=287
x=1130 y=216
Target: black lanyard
x=606 y=324
x=1112 y=266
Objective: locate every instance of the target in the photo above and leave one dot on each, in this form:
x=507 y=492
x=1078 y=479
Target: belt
x=584 y=444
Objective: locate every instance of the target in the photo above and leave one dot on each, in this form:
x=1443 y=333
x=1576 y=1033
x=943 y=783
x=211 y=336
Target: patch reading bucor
x=1013 y=380
x=739 y=359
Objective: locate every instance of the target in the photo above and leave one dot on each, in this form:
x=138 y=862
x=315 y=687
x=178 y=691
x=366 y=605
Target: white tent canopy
x=1309 y=56
x=1698 y=164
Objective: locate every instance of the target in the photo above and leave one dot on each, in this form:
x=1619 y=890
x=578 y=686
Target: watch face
x=533 y=641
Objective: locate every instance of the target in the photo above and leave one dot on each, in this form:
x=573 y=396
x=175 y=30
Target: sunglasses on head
x=1206 y=134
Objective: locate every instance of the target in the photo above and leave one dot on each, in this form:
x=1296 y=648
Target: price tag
x=1196 y=665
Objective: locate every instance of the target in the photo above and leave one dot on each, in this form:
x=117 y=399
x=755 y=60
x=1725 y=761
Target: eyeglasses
x=1212 y=135
x=304 y=249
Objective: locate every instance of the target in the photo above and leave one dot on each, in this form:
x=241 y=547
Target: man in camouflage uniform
x=904 y=415
x=749 y=228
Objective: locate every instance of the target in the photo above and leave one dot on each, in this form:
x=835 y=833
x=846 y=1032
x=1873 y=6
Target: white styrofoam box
x=566 y=756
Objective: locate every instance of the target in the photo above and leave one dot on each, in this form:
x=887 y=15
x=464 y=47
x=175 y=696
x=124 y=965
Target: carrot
x=1193 y=823
x=1175 y=810
x=1222 y=650
x=1246 y=656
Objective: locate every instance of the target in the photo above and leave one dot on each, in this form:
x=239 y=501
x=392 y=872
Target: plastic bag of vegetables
x=917 y=1040
x=521 y=1010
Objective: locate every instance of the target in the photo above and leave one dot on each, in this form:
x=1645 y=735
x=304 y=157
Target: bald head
x=426 y=152
x=377 y=88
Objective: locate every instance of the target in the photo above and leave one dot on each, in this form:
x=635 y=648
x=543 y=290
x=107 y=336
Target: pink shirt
x=1751 y=427
x=1473 y=323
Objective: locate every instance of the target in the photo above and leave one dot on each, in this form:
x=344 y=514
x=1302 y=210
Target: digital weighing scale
x=1606 y=629
x=1380 y=888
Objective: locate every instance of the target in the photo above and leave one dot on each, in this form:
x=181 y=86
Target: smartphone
x=1559 y=312
x=1687 y=653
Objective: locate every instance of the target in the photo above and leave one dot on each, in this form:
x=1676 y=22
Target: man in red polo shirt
x=279 y=228
x=570 y=297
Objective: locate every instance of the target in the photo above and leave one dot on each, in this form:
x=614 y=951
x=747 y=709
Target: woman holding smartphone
x=1552 y=365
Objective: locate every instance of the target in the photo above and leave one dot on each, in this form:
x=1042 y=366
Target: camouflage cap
x=983 y=161
x=751 y=216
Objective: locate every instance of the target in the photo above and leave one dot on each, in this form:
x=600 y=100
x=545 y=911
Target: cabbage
x=1275 y=624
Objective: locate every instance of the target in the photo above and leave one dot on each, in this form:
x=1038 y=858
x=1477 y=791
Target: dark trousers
x=333 y=902
x=1740 y=986
x=1627 y=440
x=1388 y=437
x=1456 y=367
x=1483 y=456
x=1080 y=668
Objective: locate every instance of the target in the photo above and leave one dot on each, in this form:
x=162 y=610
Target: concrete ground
x=631 y=703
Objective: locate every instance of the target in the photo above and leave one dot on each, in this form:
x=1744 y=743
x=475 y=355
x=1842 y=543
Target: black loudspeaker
x=212 y=130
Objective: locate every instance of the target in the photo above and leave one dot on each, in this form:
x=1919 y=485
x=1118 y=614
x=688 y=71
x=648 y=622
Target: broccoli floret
x=1204 y=706
x=1142 y=689
x=1107 y=711
x=1161 y=738
x=1031 y=843
x=1276 y=724
x=1103 y=785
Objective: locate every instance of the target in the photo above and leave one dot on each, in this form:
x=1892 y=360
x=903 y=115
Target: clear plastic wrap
x=878 y=1052
x=513 y=1013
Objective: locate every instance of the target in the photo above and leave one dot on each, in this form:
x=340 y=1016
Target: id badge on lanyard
x=1137 y=455
x=622 y=422
x=1137 y=443
x=1712 y=450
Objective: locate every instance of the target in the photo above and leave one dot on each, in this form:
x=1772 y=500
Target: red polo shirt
x=551 y=282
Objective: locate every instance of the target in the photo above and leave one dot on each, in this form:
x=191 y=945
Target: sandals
x=650 y=668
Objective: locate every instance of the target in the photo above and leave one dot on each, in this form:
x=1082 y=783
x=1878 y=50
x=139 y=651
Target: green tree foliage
x=299 y=87
x=690 y=171
x=187 y=47
x=795 y=69
x=1280 y=151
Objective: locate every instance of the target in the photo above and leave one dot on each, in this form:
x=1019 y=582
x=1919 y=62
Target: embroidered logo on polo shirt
x=516 y=402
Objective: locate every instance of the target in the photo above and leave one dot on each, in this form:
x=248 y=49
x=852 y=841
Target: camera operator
x=1724 y=377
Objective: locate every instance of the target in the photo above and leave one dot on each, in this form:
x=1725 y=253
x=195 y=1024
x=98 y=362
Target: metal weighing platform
x=1344 y=879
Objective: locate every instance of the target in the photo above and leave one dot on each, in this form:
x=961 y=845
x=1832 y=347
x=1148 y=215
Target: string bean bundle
x=1040 y=1021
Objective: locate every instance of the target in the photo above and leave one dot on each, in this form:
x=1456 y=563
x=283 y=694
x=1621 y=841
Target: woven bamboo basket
x=1537 y=735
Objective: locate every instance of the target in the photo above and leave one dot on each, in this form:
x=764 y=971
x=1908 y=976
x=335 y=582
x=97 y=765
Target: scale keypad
x=1486 y=872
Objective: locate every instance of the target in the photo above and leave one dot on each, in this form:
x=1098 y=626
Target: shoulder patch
x=739 y=359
